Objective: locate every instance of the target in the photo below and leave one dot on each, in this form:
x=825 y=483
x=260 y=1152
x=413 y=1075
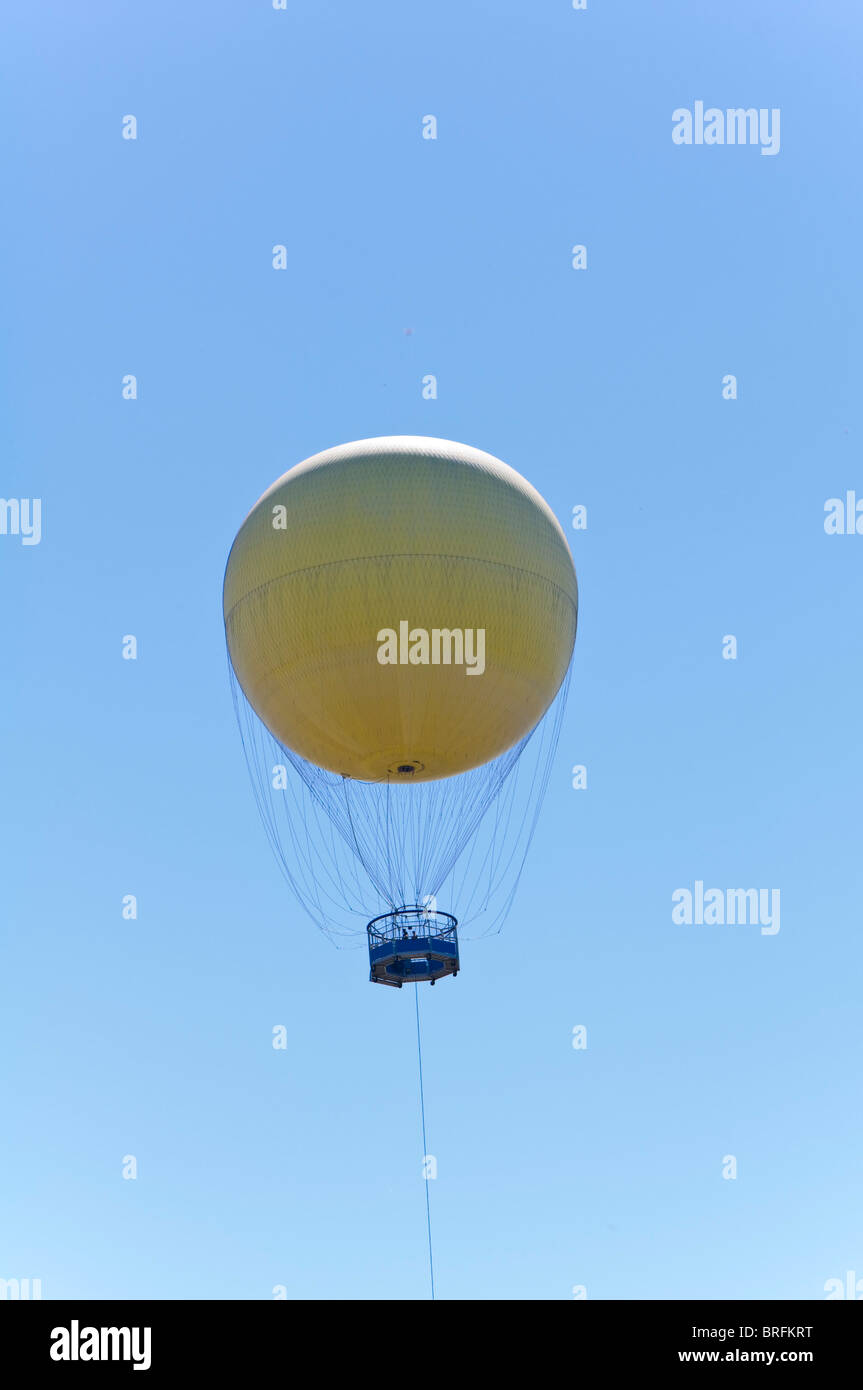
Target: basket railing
x=412 y=924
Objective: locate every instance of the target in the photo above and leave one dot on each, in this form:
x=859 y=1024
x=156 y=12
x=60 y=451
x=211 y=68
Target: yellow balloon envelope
x=400 y=609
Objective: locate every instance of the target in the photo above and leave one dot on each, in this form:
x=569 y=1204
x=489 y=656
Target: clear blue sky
x=705 y=518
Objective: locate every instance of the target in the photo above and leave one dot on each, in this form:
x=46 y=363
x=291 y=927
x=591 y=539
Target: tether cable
x=425 y=1145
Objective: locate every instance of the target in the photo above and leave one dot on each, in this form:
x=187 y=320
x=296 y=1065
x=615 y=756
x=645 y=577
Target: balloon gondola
x=412 y=944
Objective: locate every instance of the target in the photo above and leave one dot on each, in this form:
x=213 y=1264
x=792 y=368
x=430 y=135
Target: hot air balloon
x=400 y=616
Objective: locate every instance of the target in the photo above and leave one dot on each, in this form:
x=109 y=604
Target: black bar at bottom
x=309 y=1340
